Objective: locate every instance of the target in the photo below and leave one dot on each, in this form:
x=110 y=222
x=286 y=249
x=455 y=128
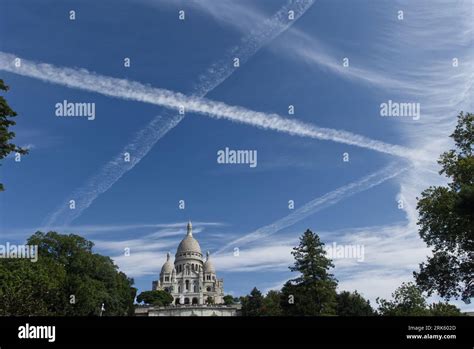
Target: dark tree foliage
x=6 y=121
x=228 y=300
x=447 y=221
x=353 y=304
x=271 y=304
x=314 y=291
x=408 y=300
x=252 y=304
x=444 y=309
x=68 y=279
x=156 y=297
x=310 y=260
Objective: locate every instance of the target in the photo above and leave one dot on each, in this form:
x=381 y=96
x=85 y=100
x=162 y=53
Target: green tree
x=444 y=309
x=252 y=304
x=353 y=304
x=407 y=300
x=271 y=304
x=447 y=221
x=30 y=289
x=156 y=297
x=228 y=300
x=314 y=291
x=6 y=116
x=68 y=279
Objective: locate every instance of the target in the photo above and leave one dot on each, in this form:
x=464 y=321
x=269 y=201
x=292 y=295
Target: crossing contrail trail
x=135 y=91
x=160 y=125
x=328 y=199
x=121 y=88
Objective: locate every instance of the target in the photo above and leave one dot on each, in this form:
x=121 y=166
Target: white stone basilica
x=190 y=280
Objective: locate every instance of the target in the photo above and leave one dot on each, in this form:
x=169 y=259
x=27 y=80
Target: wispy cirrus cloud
x=155 y=230
x=412 y=59
x=421 y=51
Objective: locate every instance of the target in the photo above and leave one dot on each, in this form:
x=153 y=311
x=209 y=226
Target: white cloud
x=132 y=245
x=141 y=263
x=158 y=230
x=375 y=283
x=274 y=256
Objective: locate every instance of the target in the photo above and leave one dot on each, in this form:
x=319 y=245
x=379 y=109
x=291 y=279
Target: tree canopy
x=228 y=300
x=6 y=135
x=271 y=305
x=447 y=220
x=353 y=304
x=408 y=300
x=156 y=297
x=67 y=279
x=252 y=304
x=313 y=292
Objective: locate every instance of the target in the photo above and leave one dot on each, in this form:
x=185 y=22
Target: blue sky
x=283 y=62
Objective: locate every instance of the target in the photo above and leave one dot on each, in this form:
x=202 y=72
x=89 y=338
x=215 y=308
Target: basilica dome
x=189 y=243
x=168 y=266
x=209 y=266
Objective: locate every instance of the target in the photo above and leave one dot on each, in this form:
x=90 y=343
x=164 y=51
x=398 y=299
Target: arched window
x=187 y=285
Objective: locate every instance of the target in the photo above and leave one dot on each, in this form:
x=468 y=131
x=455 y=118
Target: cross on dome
x=190 y=229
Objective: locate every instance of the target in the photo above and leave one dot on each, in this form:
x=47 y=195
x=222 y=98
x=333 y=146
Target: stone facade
x=190 y=279
x=189 y=310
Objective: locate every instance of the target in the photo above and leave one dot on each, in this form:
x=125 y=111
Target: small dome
x=209 y=266
x=168 y=266
x=189 y=243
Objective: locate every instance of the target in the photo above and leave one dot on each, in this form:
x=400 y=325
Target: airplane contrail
x=328 y=199
x=133 y=90
x=160 y=125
